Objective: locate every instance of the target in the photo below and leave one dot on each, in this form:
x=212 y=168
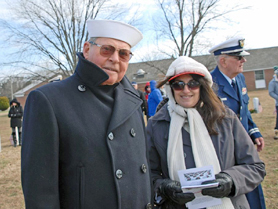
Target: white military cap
x=186 y=65
x=233 y=46
x=114 y=29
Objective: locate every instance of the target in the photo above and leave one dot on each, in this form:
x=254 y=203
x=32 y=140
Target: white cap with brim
x=186 y=65
x=114 y=29
x=233 y=46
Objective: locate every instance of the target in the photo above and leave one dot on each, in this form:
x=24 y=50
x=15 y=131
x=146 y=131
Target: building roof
x=21 y=92
x=37 y=83
x=259 y=59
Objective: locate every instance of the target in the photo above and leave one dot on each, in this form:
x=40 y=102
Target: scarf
x=202 y=147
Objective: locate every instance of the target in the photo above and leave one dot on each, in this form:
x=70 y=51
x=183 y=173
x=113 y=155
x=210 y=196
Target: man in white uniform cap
x=231 y=88
x=84 y=142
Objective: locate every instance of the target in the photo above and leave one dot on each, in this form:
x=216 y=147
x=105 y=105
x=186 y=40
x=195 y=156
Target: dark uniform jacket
x=237 y=156
x=84 y=145
x=238 y=103
x=15 y=113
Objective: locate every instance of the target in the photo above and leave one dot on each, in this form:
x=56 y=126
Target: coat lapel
x=225 y=86
x=126 y=103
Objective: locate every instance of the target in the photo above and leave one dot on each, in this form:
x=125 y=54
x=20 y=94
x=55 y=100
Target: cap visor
x=186 y=73
x=244 y=53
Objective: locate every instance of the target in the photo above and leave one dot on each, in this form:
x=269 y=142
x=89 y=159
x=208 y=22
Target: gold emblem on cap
x=241 y=43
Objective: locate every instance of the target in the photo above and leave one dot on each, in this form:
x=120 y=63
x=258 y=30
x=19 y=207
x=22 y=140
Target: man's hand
x=260 y=143
x=170 y=189
x=224 y=188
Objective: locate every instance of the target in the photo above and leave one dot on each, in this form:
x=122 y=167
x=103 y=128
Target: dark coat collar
x=84 y=70
x=162 y=114
x=92 y=76
x=224 y=84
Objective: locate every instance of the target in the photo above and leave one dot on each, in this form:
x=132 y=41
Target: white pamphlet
x=191 y=181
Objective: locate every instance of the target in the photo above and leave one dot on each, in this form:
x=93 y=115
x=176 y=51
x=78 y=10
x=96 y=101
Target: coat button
x=111 y=136
x=119 y=174
x=144 y=168
x=184 y=155
x=81 y=88
x=149 y=206
x=132 y=132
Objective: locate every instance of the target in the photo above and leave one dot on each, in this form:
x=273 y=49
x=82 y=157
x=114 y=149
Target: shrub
x=4 y=103
x=253 y=111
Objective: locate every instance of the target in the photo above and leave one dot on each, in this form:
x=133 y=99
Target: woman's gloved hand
x=170 y=189
x=224 y=189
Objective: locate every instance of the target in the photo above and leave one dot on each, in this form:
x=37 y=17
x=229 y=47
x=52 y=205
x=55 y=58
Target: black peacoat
x=83 y=150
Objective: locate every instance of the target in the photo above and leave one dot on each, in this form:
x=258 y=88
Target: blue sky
x=257 y=25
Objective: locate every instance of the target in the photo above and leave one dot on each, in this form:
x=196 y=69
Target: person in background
x=163 y=92
x=194 y=129
x=147 y=93
x=84 y=142
x=147 y=90
x=154 y=98
x=144 y=105
x=16 y=113
x=273 y=92
x=231 y=88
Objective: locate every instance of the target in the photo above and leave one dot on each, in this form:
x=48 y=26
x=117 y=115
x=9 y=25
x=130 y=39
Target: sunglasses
x=179 y=85
x=108 y=50
x=237 y=57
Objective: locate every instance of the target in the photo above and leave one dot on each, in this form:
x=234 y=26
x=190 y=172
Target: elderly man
x=231 y=88
x=84 y=142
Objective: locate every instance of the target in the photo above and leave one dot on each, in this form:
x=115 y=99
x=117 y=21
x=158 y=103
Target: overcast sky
x=257 y=25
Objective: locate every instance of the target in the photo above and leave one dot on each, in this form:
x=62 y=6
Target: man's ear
x=222 y=61
x=86 y=49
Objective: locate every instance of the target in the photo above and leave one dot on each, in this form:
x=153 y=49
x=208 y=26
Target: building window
x=259 y=75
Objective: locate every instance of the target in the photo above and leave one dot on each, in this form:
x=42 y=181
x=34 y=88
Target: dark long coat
x=15 y=113
x=77 y=152
x=236 y=154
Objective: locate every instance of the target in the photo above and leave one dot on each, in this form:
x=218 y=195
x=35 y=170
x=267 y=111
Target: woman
x=16 y=113
x=194 y=129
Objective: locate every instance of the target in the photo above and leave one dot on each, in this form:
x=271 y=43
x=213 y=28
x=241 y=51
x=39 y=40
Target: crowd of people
x=96 y=136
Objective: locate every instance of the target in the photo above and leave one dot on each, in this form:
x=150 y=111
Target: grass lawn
x=11 y=196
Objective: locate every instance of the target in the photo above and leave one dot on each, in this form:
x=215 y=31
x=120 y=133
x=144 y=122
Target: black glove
x=169 y=204
x=224 y=189
x=170 y=189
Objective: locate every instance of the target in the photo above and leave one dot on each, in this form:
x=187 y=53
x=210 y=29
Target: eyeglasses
x=108 y=50
x=179 y=85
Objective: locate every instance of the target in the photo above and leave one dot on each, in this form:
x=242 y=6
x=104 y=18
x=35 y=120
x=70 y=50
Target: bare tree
x=11 y=84
x=182 y=21
x=48 y=33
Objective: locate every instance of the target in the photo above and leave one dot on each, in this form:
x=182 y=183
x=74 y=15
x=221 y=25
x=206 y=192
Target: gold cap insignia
x=241 y=43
